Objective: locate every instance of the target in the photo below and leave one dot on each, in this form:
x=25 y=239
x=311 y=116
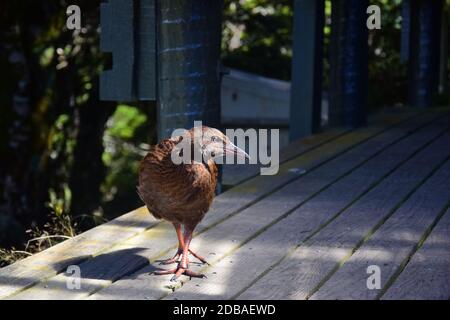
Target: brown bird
x=182 y=193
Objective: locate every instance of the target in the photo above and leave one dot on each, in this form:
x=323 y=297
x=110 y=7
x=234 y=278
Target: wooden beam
x=189 y=37
x=128 y=33
x=348 y=63
x=306 y=85
x=423 y=67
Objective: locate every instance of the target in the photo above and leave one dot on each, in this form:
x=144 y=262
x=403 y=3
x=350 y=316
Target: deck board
x=241 y=197
x=310 y=264
x=393 y=243
x=427 y=275
x=234 y=174
x=258 y=255
x=54 y=260
x=269 y=208
x=297 y=228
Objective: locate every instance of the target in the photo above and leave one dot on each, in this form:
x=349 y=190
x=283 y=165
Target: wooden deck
x=342 y=201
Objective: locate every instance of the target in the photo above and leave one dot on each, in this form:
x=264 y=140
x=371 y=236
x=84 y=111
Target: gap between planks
x=426 y=274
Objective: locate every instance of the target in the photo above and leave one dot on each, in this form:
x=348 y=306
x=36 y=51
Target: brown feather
x=177 y=193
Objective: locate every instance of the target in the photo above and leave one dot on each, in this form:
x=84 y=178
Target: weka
x=182 y=193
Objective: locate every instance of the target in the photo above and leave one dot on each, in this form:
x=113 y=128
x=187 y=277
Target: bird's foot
x=177 y=272
x=179 y=254
x=199 y=257
x=174 y=259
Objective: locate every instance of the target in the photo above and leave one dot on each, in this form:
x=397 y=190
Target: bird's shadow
x=124 y=263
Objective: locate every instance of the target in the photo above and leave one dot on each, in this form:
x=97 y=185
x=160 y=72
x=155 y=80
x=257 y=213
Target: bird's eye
x=213 y=154
x=204 y=146
x=214 y=138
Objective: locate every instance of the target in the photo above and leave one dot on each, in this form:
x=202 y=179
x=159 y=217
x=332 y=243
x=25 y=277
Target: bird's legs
x=180 y=245
x=183 y=265
x=179 y=252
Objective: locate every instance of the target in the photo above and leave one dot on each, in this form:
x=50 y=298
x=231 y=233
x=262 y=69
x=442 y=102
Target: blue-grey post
x=306 y=84
x=128 y=33
x=425 y=41
x=188 y=53
x=348 y=63
x=406 y=31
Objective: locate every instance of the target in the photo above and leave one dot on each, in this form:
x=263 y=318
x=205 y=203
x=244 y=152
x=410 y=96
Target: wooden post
x=406 y=31
x=425 y=40
x=348 y=63
x=188 y=51
x=306 y=84
x=128 y=33
x=443 y=69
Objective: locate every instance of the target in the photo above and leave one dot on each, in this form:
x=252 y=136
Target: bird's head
x=214 y=145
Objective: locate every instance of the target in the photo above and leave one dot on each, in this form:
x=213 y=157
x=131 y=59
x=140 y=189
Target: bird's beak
x=230 y=148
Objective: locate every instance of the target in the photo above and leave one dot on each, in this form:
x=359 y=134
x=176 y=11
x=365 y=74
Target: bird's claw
x=199 y=257
x=178 y=272
x=176 y=258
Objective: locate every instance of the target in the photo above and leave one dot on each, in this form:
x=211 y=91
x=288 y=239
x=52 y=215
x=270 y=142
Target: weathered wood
x=232 y=233
x=113 y=263
x=259 y=254
x=48 y=263
x=234 y=174
x=57 y=258
x=306 y=87
x=392 y=245
x=129 y=34
x=308 y=266
x=426 y=276
x=423 y=66
x=188 y=45
x=116 y=19
x=348 y=63
x=56 y=288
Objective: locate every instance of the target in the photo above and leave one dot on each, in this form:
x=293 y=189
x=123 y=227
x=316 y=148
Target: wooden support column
x=306 y=84
x=348 y=63
x=443 y=69
x=424 y=51
x=188 y=53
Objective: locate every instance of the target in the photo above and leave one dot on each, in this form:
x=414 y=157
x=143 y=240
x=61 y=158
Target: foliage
x=48 y=81
x=123 y=151
x=257 y=36
x=259 y=31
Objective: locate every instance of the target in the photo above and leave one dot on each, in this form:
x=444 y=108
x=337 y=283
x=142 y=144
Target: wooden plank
x=116 y=19
x=29 y=271
x=426 y=276
x=234 y=174
x=304 y=270
x=237 y=230
x=307 y=66
x=348 y=63
x=393 y=244
x=258 y=255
